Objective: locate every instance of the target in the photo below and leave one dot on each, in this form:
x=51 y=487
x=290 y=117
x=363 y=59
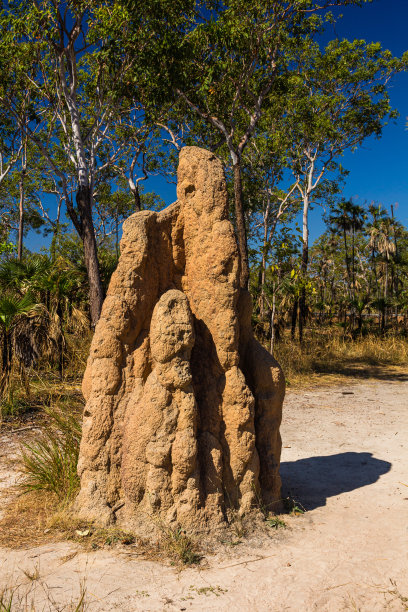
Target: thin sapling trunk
x=240 y=224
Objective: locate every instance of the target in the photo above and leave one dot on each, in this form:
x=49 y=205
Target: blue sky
x=379 y=169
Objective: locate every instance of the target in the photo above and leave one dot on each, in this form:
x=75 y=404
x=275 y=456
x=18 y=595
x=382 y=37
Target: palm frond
x=13 y=306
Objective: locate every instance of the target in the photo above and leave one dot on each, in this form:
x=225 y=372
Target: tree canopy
x=98 y=96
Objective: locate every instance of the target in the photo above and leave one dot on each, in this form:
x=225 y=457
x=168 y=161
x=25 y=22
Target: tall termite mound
x=183 y=404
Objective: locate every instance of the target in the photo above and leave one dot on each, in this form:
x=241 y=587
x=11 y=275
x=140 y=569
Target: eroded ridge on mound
x=183 y=404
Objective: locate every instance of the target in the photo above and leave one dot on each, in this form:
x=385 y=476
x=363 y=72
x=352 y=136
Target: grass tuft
x=208 y=590
x=6 y=601
x=178 y=545
x=292 y=506
x=396 y=594
x=236 y=523
x=14 y=600
x=14 y=407
x=49 y=463
x=275 y=522
x=32 y=575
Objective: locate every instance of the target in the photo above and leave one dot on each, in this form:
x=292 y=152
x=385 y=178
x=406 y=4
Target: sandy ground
x=345 y=458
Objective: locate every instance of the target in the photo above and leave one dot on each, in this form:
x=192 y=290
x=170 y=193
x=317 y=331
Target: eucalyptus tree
x=57 y=49
x=11 y=144
x=269 y=202
x=328 y=275
x=220 y=62
x=114 y=206
x=281 y=285
x=141 y=143
x=338 y=98
x=20 y=195
x=14 y=151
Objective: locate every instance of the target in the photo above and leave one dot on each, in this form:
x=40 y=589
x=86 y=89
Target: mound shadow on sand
x=312 y=480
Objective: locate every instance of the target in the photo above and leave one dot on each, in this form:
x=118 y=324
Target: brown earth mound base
x=183 y=404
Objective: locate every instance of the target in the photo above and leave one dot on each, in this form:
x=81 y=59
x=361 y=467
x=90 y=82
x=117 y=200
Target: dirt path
x=345 y=458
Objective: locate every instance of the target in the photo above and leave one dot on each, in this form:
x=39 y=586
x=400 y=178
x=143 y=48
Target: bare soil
x=345 y=459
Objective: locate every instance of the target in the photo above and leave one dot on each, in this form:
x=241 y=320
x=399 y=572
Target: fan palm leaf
x=14 y=306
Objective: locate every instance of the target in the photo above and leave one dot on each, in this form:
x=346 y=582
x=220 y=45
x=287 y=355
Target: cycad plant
x=52 y=286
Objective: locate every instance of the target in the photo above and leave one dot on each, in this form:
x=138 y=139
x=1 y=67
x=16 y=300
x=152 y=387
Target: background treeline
x=96 y=97
x=357 y=276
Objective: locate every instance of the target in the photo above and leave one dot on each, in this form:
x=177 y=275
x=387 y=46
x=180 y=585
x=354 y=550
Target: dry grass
x=180 y=548
x=236 y=523
x=397 y=596
x=48 y=462
x=45 y=391
x=326 y=357
x=20 y=599
x=173 y=544
x=91 y=536
x=25 y=520
x=38 y=517
x=78 y=346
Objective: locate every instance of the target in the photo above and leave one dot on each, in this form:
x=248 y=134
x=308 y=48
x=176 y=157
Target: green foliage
x=275 y=522
x=359 y=264
x=293 y=507
x=6 y=248
x=105 y=89
x=12 y=307
x=14 y=407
